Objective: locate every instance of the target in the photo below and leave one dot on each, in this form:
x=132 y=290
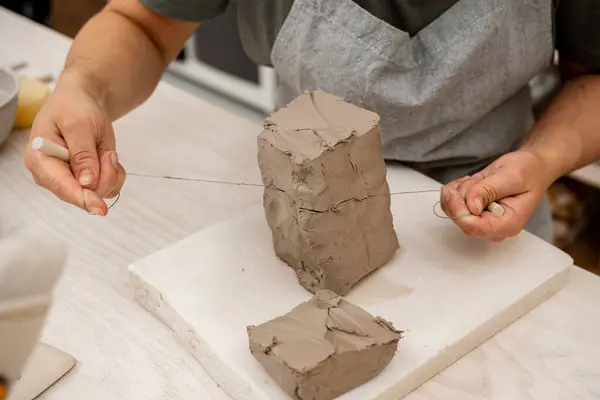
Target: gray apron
x=451 y=99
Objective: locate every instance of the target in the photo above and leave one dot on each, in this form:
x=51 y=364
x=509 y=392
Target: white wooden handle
x=50 y=148
x=496 y=209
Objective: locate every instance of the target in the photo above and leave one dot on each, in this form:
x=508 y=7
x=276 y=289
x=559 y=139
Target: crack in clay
x=336 y=323
x=329 y=192
x=367 y=247
x=358 y=170
x=388 y=325
x=327 y=299
x=356 y=331
x=322 y=141
x=336 y=206
x=312 y=99
x=332 y=209
x=274 y=343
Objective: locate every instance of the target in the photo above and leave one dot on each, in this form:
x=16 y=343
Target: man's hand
x=73 y=119
x=516 y=180
x=114 y=65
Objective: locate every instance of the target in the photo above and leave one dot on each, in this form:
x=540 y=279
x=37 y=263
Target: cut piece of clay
x=326 y=198
x=324 y=347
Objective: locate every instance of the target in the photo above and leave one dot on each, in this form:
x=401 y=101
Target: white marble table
x=124 y=353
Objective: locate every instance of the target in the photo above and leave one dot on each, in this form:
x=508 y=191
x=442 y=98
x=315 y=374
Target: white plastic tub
x=9 y=89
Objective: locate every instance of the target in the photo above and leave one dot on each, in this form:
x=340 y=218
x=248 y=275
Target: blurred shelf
x=589 y=175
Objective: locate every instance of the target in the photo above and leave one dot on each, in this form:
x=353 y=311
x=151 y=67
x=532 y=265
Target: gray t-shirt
x=577 y=27
x=260 y=20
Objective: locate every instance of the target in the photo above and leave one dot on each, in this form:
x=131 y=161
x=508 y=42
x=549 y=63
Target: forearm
x=120 y=55
x=567 y=136
x=115 y=61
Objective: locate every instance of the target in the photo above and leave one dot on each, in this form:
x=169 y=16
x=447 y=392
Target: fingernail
x=444 y=194
x=114 y=159
x=96 y=211
x=478 y=205
x=86 y=177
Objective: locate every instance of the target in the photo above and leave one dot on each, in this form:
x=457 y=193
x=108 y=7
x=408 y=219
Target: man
x=448 y=78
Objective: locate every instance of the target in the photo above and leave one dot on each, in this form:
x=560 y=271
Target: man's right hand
x=74 y=119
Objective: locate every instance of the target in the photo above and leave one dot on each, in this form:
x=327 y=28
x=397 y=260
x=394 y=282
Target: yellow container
x=32 y=93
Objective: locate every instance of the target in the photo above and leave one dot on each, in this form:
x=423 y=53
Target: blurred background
x=213 y=66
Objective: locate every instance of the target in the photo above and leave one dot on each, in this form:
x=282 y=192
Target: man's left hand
x=517 y=181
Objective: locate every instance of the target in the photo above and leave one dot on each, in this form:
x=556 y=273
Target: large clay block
x=324 y=347
x=326 y=199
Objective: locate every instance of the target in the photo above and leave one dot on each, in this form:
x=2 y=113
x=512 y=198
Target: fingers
x=495 y=228
x=112 y=174
x=83 y=152
x=453 y=205
x=464 y=185
x=119 y=185
x=444 y=198
x=75 y=121
x=56 y=176
x=463 y=189
x=513 y=181
x=455 y=183
x=494 y=187
x=489 y=185
x=459 y=200
x=487 y=225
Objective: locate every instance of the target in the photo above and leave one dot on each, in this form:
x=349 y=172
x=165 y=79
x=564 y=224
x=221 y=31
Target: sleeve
x=188 y=10
x=577 y=24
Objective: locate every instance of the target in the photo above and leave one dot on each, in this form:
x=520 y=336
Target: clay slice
x=326 y=198
x=324 y=347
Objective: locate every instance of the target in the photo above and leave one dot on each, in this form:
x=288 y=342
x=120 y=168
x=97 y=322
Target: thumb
x=83 y=154
x=492 y=188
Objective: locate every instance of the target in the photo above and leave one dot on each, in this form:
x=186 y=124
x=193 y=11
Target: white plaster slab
x=449 y=292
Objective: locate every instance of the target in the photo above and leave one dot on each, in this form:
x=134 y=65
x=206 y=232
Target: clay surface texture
x=324 y=347
x=326 y=198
